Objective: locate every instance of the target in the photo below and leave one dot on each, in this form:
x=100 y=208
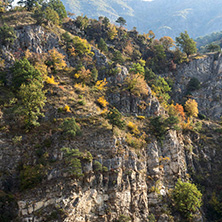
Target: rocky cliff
x=208 y=72
x=119 y=181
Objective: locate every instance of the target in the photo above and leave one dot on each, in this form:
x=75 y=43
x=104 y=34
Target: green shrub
x=123 y=218
x=186 y=199
x=201 y=116
x=214 y=208
x=97 y=166
x=72 y=159
x=94 y=74
x=115 y=118
x=70 y=128
x=117 y=57
x=102 y=45
x=160 y=125
x=82 y=47
x=82 y=102
x=137 y=68
x=48 y=15
x=24 y=72
x=82 y=22
x=30 y=176
x=151 y=218
x=198 y=126
x=194 y=84
x=7 y=35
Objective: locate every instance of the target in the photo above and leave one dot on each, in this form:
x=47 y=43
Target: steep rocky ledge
x=134 y=184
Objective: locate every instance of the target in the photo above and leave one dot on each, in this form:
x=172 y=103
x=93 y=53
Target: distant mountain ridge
x=164 y=17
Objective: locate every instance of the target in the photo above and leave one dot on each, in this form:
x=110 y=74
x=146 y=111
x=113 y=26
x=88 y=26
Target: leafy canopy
x=7 y=35
x=186 y=199
x=121 y=21
x=23 y=73
x=191 y=107
x=186 y=44
x=32 y=100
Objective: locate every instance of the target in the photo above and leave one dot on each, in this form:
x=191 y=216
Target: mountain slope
x=164 y=17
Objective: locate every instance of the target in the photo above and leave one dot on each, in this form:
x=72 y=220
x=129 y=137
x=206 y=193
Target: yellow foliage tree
x=112 y=33
x=191 y=107
x=133 y=128
x=51 y=81
x=42 y=68
x=137 y=85
x=176 y=110
x=84 y=75
x=101 y=85
x=67 y=109
x=102 y=101
x=167 y=42
x=55 y=60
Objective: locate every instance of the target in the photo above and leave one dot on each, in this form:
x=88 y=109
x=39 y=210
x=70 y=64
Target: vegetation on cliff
x=59 y=91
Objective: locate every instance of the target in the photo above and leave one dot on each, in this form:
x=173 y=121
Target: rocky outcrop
x=36 y=39
x=209 y=73
x=126 y=102
x=133 y=185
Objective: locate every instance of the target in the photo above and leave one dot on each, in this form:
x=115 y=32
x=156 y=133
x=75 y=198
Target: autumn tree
x=180 y=110
x=167 y=42
x=84 y=75
x=3 y=7
x=151 y=36
x=160 y=88
x=186 y=44
x=112 y=32
x=82 y=47
x=137 y=85
x=191 y=107
x=121 y=21
x=55 y=60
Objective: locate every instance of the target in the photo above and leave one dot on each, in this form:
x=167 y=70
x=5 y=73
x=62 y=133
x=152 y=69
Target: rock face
x=133 y=185
x=209 y=73
x=36 y=39
x=147 y=105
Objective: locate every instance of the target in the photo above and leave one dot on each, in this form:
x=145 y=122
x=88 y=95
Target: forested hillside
x=102 y=124
x=164 y=17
